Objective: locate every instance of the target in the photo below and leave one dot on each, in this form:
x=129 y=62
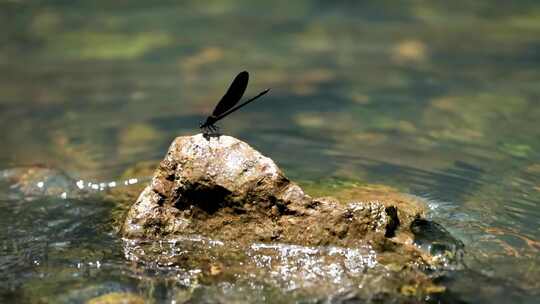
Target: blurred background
x=439 y=99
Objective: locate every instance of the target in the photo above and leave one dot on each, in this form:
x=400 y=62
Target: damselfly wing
x=227 y=103
x=233 y=95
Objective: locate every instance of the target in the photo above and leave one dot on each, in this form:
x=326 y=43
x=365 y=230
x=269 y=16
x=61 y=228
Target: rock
x=39 y=181
x=226 y=216
x=438 y=242
x=221 y=188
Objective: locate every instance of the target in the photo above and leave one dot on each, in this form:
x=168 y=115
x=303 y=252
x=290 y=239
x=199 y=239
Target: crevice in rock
x=393 y=221
x=207 y=198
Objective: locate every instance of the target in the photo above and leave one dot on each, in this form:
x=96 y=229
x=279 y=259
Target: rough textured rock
x=220 y=187
x=220 y=212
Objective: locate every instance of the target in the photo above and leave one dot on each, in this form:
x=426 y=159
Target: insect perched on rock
x=227 y=103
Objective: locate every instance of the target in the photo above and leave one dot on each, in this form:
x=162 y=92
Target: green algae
x=107 y=45
x=517 y=150
x=117 y=298
x=470 y=118
x=528 y=21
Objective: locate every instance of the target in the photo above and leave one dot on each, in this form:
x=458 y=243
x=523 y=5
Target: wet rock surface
x=221 y=188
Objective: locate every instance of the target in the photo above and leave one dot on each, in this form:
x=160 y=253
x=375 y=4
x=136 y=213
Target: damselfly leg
x=210 y=130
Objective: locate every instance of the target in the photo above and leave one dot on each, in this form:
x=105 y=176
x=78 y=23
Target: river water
x=437 y=99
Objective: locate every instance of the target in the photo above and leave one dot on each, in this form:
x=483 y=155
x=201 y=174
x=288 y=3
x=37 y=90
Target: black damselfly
x=227 y=103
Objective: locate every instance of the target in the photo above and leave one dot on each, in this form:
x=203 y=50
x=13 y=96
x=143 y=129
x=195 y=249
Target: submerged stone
x=39 y=181
x=437 y=241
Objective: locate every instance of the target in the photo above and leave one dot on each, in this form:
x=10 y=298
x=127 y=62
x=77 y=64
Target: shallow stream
x=435 y=99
